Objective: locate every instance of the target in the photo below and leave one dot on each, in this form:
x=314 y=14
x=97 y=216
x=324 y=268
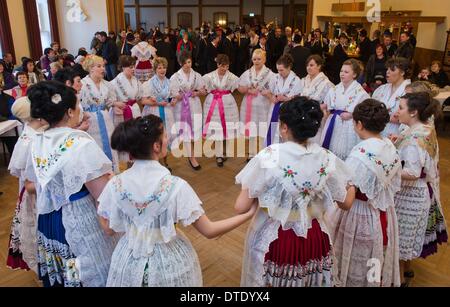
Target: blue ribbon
x=274 y=120
x=102 y=127
x=80 y=195
x=329 y=134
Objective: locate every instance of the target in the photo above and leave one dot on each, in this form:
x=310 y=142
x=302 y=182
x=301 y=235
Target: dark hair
x=356 y=66
x=222 y=59
x=303 y=117
x=25 y=64
x=400 y=63
x=406 y=33
x=363 y=33
x=21 y=73
x=373 y=115
x=382 y=46
x=53 y=44
x=82 y=52
x=130 y=37
x=137 y=136
x=103 y=34
x=42 y=106
x=47 y=51
x=185 y=55
x=318 y=59
x=66 y=74
x=424 y=104
x=297 y=38
x=126 y=61
x=286 y=60
x=387 y=33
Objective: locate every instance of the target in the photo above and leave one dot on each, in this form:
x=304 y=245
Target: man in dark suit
x=227 y=46
x=300 y=54
x=110 y=54
x=276 y=45
x=164 y=49
x=406 y=49
x=391 y=47
x=211 y=53
x=242 y=55
x=9 y=62
x=364 y=46
x=200 y=53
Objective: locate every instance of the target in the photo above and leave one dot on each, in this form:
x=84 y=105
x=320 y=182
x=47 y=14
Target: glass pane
x=44 y=23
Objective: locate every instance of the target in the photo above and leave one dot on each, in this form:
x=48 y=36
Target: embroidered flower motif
x=323 y=171
x=306 y=189
x=387 y=168
x=56 y=99
x=44 y=163
x=289 y=173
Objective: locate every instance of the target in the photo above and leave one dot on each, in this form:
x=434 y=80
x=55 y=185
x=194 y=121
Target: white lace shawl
x=126 y=90
x=229 y=81
x=91 y=95
x=317 y=88
x=22 y=150
x=145 y=203
x=376 y=168
x=296 y=184
x=260 y=82
x=290 y=87
x=143 y=51
x=392 y=102
x=340 y=99
x=180 y=83
x=62 y=160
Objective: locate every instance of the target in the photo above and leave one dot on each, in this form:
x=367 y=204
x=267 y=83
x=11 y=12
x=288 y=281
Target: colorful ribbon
x=186 y=116
x=127 y=112
x=248 y=114
x=217 y=100
x=102 y=128
x=329 y=134
x=274 y=120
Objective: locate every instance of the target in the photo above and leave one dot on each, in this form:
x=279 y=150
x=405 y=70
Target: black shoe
x=409 y=274
x=195 y=168
x=219 y=162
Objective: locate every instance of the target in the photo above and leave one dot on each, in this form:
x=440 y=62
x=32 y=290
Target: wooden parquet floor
x=221 y=259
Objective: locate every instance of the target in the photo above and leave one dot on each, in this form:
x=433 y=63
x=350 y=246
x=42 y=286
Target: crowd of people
x=339 y=174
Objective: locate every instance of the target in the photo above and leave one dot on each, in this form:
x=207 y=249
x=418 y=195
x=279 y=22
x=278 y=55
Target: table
x=442 y=97
x=7 y=129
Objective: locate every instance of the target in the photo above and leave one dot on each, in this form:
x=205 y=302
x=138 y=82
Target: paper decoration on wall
x=75 y=12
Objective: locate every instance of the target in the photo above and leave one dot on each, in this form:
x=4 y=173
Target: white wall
x=429 y=36
x=19 y=29
x=76 y=35
x=152 y=16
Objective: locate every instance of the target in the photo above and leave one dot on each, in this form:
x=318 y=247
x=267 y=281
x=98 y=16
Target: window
x=221 y=19
x=185 y=20
x=44 y=23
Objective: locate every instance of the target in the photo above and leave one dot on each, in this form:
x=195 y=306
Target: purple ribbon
x=274 y=120
x=186 y=116
x=329 y=135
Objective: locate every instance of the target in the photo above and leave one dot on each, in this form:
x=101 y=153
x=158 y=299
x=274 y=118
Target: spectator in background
x=55 y=46
x=376 y=68
x=376 y=40
x=110 y=55
x=96 y=45
x=391 y=47
x=126 y=47
x=406 y=49
x=6 y=78
x=34 y=74
x=48 y=58
x=438 y=76
x=364 y=46
x=78 y=69
x=8 y=61
x=339 y=57
x=184 y=45
x=54 y=68
x=424 y=74
x=300 y=54
x=317 y=43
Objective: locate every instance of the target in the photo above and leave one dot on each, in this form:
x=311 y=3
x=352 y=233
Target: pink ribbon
x=248 y=114
x=186 y=116
x=218 y=95
x=127 y=112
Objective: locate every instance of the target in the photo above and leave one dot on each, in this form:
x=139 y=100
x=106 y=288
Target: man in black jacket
x=211 y=53
x=9 y=62
x=406 y=49
x=200 y=53
x=364 y=46
x=243 y=55
x=276 y=45
x=227 y=46
x=300 y=54
x=164 y=50
x=391 y=47
x=110 y=54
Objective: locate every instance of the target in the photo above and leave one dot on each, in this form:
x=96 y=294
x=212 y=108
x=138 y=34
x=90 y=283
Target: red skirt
x=144 y=65
x=292 y=260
